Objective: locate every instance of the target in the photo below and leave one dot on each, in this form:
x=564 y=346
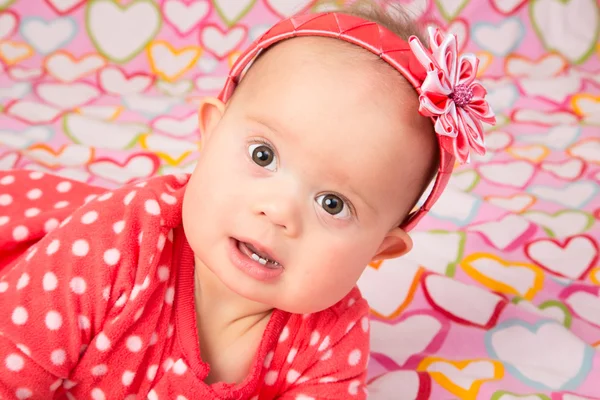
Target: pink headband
x=445 y=82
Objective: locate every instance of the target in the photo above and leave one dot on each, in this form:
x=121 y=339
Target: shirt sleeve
x=56 y=297
x=340 y=354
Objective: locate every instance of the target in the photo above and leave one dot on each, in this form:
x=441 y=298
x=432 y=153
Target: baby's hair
x=397 y=19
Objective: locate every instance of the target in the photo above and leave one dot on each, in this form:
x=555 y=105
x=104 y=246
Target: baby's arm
x=338 y=369
x=56 y=298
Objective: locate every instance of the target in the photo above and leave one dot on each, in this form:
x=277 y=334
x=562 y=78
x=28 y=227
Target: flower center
x=462 y=95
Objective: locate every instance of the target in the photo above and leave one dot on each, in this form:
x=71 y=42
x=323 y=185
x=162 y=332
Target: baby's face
x=316 y=160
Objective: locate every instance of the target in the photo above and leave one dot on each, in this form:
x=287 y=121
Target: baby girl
x=239 y=281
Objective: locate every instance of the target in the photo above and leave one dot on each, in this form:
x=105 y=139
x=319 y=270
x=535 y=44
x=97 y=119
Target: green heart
x=238 y=17
x=549 y=232
x=6 y=4
x=568 y=318
x=475 y=178
x=158 y=87
x=451 y=267
x=499 y=395
x=549 y=48
x=447 y=16
x=124 y=7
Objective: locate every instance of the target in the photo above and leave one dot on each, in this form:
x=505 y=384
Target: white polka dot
x=129 y=198
x=327 y=355
x=140 y=236
x=304 y=397
x=19 y=316
x=271 y=378
x=97 y=394
x=163 y=274
x=121 y=300
x=4 y=220
x=152 y=207
x=58 y=357
x=170 y=330
x=112 y=257
x=34 y=194
x=32 y=212
x=180 y=367
x=84 y=322
x=64 y=187
x=49 y=282
x=350 y=326
x=53 y=320
x=291 y=355
x=127 y=378
x=7 y=180
x=67 y=384
x=327 y=379
x=3 y=287
x=89 y=198
x=51 y=224
x=141 y=184
x=14 y=362
x=23 y=281
x=314 y=338
x=351 y=302
x=36 y=175
x=78 y=285
x=324 y=344
x=24 y=349
x=20 y=233
x=153 y=339
x=61 y=204
x=31 y=253
x=354 y=357
x=57 y=383
x=102 y=342
x=135 y=292
x=168 y=364
x=89 y=217
x=138 y=314
x=161 y=242
x=80 y=248
x=285 y=333
x=292 y=376
x=53 y=247
x=65 y=221
x=180 y=397
x=170 y=295
x=105 y=196
x=268 y=359
x=5 y=199
x=118 y=227
x=23 y=393
x=365 y=324
x=152 y=395
x=99 y=370
x=106 y=293
x=134 y=344
x=167 y=198
x=353 y=387
x=146 y=283
x=151 y=372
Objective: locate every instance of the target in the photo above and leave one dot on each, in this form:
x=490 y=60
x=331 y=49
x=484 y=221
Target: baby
x=239 y=282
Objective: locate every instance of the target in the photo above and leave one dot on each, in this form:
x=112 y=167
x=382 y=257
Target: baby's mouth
x=256 y=255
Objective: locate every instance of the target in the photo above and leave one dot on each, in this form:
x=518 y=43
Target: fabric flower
x=452 y=96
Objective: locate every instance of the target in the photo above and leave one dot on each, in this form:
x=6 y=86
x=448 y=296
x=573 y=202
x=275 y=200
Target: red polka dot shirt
x=96 y=302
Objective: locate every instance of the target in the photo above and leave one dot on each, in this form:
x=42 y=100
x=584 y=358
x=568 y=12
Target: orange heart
x=572 y=150
x=165 y=156
x=485 y=60
x=578 y=99
x=375 y=264
x=496 y=200
x=14 y=52
x=407 y=300
x=170 y=63
x=443 y=371
x=595 y=276
x=50 y=158
x=501 y=275
x=534 y=153
x=514 y=57
x=232 y=58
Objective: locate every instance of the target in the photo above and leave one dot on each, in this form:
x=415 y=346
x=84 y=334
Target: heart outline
x=176 y=52
x=241 y=14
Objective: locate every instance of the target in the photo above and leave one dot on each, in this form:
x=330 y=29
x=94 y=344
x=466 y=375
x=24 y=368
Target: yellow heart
x=434 y=366
x=595 y=276
x=409 y=297
x=531 y=200
x=165 y=156
x=485 y=60
x=117 y=111
x=162 y=56
x=47 y=162
x=537 y=278
x=14 y=52
x=578 y=100
x=534 y=153
x=232 y=58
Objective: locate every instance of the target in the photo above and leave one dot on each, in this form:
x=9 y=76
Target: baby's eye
x=263 y=156
x=334 y=205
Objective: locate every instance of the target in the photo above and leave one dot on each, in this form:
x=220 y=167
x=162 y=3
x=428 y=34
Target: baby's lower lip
x=241 y=257
x=248 y=251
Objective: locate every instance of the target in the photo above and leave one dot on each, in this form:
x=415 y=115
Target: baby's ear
x=209 y=114
x=395 y=244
